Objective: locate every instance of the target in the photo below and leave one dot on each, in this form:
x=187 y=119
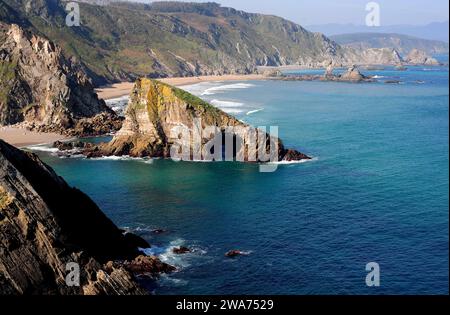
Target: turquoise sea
x=376 y=191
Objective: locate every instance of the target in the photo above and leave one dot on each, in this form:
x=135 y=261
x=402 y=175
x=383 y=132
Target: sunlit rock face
x=43 y=90
x=158 y=113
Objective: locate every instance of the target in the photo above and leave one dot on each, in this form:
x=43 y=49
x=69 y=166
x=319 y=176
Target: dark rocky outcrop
x=45 y=224
x=145 y=265
x=351 y=75
x=181 y=250
x=155 y=109
x=234 y=253
x=44 y=91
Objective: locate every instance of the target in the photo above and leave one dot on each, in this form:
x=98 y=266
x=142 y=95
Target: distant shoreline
x=124 y=88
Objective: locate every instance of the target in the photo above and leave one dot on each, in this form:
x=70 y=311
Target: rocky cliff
x=419 y=57
x=45 y=224
x=156 y=109
x=42 y=89
x=404 y=44
x=377 y=56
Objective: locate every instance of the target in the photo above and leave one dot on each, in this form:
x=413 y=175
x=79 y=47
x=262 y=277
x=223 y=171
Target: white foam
x=223 y=88
x=378 y=76
x=232 y=110
x=197 y=89
x=43 y=148
x=118 y=104
x=294 y=162
x=226 y=104
x=166 y=254
x=118 y=99
x=254 y=111
x=123 y=158
x=169 y=279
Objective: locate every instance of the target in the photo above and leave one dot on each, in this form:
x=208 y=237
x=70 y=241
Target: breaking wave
x=254 y=111
x=227 y=87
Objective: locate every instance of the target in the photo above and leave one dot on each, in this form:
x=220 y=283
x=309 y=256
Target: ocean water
x=377 y=191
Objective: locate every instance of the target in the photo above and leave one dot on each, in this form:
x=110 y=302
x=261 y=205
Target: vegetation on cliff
x=123 y=41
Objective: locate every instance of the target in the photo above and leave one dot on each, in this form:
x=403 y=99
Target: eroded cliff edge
x=43 y=90
x=156 y=109
x=45 y=224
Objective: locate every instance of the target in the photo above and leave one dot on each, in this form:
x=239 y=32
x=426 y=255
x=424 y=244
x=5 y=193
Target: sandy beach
x=20 y=137
x=115 y=90
x=124 y=88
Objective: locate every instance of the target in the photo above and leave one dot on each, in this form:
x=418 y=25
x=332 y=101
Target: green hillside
x=122 y=41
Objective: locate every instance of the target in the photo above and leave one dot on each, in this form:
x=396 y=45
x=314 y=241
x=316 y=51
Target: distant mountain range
x=404 y=44
x=432 y=31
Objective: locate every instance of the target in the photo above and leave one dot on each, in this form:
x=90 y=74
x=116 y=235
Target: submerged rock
x=401 y=68
x=159 y=231
x=45 y=225
x=234 y=253
x=181 y=250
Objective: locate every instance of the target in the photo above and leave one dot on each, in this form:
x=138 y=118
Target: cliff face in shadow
x=45 y=224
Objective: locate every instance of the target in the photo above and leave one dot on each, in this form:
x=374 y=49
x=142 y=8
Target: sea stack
x=352 y=74
x=155 y=109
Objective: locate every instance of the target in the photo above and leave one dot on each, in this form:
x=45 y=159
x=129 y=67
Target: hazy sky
x=309 y=12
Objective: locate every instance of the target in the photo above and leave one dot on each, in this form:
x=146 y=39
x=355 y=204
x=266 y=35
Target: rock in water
x=47 y=92
x=181 y=250
x=234 y=253
x=45 y=225
x=352 y=74
x=419 y=57
x=329 y=70
x=156 y=109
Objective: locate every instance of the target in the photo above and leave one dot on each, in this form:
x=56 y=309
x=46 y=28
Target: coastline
x=20 y=137
x=121 y=89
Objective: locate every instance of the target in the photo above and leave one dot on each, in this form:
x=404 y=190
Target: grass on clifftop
x=189 y=98
x=7 y=75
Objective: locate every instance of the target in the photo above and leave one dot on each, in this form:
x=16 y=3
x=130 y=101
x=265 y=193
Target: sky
x=312 y=12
